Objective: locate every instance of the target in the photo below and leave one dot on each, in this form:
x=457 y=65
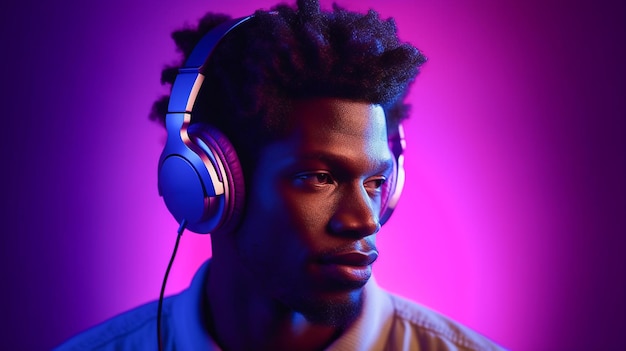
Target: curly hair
x=288 y=54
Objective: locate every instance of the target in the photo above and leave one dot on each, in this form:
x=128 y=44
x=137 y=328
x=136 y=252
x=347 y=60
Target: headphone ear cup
x=200 y=179
x=219 y=149
x=387 y=192
x=391 y=193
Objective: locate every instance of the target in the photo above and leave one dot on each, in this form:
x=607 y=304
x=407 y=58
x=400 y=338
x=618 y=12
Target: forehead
x=325 y=118
x=354 y=132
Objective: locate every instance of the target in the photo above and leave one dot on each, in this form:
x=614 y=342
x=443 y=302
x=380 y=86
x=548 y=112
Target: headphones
x=199 y=174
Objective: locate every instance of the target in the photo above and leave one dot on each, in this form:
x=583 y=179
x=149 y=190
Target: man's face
x=308 y=236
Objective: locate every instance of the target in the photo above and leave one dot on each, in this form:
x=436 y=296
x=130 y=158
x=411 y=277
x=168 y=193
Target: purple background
x=512 y=221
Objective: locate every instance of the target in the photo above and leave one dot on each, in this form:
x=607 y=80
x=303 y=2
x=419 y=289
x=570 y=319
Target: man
x=297 y=106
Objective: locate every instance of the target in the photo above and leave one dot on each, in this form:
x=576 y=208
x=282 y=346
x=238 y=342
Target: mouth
x=351 y=269
x=355 y=258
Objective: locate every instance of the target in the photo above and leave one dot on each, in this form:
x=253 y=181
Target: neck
x=240 y=317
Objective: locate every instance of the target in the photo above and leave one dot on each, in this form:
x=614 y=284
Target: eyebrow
x=337 y=160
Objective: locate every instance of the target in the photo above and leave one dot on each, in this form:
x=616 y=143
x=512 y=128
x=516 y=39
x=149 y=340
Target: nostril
x=354 y=227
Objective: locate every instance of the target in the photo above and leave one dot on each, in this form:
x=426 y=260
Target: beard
x=337 y=311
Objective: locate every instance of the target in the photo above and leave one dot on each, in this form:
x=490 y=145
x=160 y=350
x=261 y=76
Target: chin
x=333 y=310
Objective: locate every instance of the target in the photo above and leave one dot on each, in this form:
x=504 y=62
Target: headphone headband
x=189 y=79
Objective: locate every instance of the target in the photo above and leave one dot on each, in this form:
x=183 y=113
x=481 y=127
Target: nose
x=355 y=215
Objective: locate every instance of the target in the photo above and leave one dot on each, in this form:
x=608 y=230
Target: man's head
x=307 y=98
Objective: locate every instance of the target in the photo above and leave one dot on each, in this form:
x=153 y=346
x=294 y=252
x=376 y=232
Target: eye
x=314 y=179
x=374 y=185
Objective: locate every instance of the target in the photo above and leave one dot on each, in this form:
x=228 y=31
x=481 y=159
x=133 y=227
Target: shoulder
x=137 y=329
x=131 y=330
x=430 y=330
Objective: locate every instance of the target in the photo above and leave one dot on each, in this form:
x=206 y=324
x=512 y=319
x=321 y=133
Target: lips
x=348 y=269
x=352 y=258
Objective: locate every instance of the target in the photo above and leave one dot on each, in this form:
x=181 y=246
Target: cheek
x=307 y=215
x=282 y=222
x=266 y=236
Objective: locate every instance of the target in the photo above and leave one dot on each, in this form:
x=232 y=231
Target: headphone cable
x=183 y=224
